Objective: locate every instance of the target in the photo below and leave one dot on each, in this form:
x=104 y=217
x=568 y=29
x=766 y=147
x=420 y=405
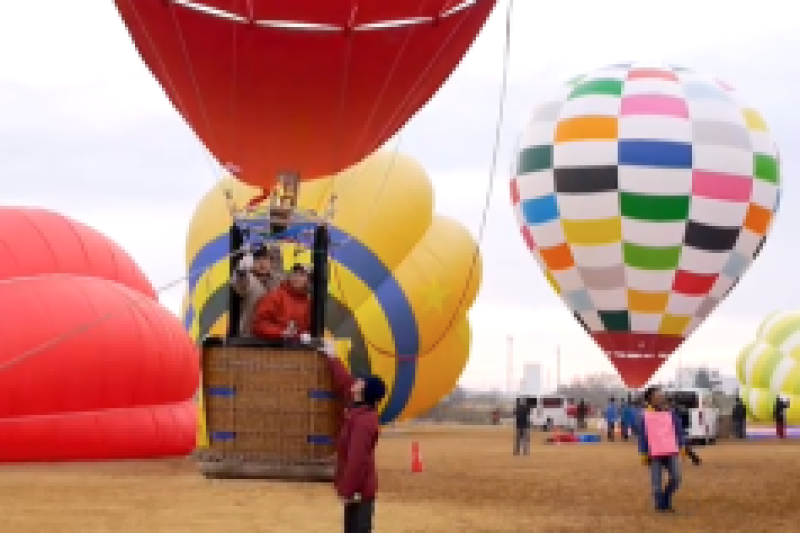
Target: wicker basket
x=270 y=412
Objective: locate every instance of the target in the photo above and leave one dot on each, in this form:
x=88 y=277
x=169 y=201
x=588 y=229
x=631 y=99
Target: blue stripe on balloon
x=356 y=257
x=188 y=318
x=366 y=266
x=208 y=255
x=540 y=210
x=662 y=154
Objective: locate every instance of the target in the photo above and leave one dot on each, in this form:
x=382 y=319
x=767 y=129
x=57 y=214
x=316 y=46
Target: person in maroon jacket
x=355 y=479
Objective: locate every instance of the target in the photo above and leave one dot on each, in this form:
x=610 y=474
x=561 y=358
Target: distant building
x=531 y=382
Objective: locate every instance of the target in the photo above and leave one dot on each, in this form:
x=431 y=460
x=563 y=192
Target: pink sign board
x=660 y=432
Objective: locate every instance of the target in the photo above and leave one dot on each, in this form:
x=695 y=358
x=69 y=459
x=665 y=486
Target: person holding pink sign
x=661 y=441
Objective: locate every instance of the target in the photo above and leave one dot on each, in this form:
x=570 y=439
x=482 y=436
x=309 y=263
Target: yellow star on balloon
x=435 y=296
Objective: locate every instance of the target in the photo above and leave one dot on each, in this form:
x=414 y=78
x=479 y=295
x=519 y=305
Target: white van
x=549 y=411
x=700 y=417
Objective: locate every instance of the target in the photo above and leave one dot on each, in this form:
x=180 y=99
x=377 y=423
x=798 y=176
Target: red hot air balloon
x=91 y=366
x=308 y=87
x=36 y=241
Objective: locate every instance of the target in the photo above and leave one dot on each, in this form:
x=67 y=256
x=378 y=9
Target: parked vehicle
x=699 y=415
x=551 y=411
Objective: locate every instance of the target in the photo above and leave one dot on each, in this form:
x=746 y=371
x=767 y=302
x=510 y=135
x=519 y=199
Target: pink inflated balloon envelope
x=660 y=432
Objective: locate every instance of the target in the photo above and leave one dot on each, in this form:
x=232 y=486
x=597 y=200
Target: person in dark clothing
x=627 y=418
x=739 y=419
x=355 y=478
x=612 y=416
x=683 y=414
x=652 y=444
x=581 y=413
x=522 y=422
x=636 y=413
x=780 y=416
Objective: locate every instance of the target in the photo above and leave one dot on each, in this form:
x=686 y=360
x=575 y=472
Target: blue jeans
x=661 y=494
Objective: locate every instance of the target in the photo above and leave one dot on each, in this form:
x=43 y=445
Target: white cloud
x=537 y=331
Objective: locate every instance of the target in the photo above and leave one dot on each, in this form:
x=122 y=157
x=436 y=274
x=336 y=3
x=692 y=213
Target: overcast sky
x=86 y=131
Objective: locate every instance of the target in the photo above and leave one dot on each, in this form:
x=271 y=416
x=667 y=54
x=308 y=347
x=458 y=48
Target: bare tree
x=595 y=389
x=705 y=380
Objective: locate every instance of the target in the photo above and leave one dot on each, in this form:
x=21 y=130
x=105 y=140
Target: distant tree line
x=476 y=406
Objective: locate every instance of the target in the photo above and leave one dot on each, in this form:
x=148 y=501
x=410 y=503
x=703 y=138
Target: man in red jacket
x=285 y=313
x=355 y=479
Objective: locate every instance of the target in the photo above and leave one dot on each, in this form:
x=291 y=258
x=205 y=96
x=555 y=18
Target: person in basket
x=285 y=313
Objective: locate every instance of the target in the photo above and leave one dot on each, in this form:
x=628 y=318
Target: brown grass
x=471 y=483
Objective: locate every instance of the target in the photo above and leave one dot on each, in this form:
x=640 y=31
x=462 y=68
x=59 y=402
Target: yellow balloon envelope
x=770 y=366
x=401 y=283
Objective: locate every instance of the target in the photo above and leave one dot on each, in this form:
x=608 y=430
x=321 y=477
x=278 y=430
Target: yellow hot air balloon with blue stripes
x=402 y=278
x=770 y=366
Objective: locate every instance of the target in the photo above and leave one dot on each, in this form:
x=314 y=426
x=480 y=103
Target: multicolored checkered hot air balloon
x=644 y=192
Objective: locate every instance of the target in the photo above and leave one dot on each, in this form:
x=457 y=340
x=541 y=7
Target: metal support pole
x=319 y=287
x=558 y=367
x=234 y=300
x=510 y=364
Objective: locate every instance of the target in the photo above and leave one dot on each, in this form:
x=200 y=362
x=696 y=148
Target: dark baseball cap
x=271 y=252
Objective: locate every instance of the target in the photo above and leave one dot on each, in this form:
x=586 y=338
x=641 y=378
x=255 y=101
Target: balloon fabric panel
x=135 y=353
x=333 y=12
x=770 y=366
x=35 y=241
x=271 y=100
x=92 y=367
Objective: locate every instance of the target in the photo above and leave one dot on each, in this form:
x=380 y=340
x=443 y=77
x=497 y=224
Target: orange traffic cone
x=416 y=462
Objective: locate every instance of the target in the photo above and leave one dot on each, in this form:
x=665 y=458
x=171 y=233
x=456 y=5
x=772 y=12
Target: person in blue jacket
x=611 y=416
x=627 y=418
x=655 y=400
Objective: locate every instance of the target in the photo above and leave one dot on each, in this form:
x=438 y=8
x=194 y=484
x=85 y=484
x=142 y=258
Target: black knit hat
x=649 y=392
x=271 y=252
x=300 y=267
x=374 y=390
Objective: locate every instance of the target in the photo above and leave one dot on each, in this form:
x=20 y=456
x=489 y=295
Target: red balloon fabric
x=91 y=366
x=36 y=241
x=112 y=347
x=130 y=433
x=268 y=92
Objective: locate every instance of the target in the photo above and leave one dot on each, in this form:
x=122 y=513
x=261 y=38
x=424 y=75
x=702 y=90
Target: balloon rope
x=418 y=82
x=172 y=88
x=86 y=326
x=386 y=84
x=190 y=67
x=487 y=199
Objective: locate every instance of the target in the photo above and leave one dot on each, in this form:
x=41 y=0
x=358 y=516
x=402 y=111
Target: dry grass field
x=471 y=483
